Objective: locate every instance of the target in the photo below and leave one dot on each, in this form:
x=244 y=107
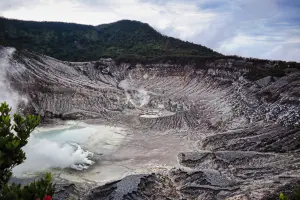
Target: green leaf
x=9 y=146
x=48 y=177
x=15 y=143
x=282 y=196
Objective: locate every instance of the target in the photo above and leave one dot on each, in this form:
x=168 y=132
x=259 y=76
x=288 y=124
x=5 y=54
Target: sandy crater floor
x=114 y=151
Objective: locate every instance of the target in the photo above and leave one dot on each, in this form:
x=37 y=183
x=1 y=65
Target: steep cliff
x=242 y=115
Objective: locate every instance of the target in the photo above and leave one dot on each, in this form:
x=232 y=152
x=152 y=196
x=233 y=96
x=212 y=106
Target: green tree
x=282 y=196
x=293 y=196
x=14 y=136
x=76 y=42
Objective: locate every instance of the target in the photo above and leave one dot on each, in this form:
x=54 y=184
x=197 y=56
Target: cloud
x=271 y=47
x=284 y=51
x=218 y=24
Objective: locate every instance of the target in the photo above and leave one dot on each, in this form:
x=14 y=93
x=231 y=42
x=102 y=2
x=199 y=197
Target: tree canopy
x=76 y=42
x=14 y=136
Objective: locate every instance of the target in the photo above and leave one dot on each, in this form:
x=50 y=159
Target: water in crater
x=79 y=152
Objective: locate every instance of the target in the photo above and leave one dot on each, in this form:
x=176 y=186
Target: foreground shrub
x=14 y=136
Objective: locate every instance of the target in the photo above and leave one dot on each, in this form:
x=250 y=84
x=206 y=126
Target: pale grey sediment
x=244 y=135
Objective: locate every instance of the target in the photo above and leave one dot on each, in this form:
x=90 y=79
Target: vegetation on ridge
x=75 y=42
x=125 y=41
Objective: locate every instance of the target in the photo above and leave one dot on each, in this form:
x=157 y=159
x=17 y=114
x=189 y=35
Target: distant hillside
x=75 y=42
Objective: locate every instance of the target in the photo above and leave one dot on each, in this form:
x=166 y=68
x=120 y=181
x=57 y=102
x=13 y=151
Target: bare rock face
x=245 y=132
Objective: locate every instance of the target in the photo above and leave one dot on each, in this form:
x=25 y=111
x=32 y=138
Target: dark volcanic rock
x=153 y=186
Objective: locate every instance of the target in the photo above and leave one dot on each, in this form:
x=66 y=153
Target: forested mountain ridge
x=76 y=42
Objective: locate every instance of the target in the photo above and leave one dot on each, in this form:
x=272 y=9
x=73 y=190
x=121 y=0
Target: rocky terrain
x=242 y=118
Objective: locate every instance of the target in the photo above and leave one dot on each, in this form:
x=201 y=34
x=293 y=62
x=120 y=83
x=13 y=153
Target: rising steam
x=138 y=97
x=6 y=93
x=56 y=149
x=43 y=154
x=68 y=146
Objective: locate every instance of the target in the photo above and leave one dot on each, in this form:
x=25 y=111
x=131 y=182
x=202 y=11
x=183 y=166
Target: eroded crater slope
x=241 y=116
